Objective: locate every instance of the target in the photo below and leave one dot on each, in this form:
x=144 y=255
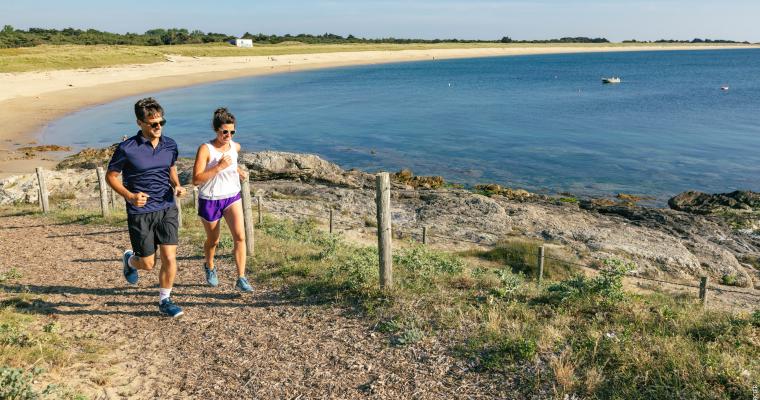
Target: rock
x=31 y=151
x=703 y=203
x=405 y=177
x=88 y=158
x=270 y=165
x=497 y=190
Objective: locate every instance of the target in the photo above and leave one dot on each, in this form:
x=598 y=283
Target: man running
x=150 y=181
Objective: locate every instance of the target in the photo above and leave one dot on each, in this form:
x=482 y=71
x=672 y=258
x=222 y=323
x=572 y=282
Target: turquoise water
x=544 y=123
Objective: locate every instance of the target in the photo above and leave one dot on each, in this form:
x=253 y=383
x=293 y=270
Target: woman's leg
x=234 y=217
x=213 y=231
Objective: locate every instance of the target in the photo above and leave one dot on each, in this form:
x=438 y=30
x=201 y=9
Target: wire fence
x=418 y=233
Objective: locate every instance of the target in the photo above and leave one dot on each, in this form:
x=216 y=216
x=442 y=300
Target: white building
x=242 y=42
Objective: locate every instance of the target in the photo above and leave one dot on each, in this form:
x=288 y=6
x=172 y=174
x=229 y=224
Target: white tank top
x=226 y=183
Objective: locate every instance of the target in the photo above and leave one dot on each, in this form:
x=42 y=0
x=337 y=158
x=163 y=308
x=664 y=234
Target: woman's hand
x=243 y=174
x=225 y=162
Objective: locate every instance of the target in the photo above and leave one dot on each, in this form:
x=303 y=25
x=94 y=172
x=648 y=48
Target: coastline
x=30 y=100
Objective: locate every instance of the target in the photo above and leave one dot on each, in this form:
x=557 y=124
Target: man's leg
x=142 y=237
x=143 y=263
x=167 y=237
x=168 y=266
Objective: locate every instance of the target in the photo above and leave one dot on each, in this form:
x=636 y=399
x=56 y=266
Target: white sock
x=131 y=260
x=163 y=294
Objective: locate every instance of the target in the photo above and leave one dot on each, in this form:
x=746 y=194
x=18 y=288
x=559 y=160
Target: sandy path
x=226 y=346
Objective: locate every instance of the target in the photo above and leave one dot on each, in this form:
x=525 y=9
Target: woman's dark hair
x=222 y=116
x=147 y=107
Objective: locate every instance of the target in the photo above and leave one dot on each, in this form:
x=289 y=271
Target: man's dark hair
x=147 y=107
x=222 y=116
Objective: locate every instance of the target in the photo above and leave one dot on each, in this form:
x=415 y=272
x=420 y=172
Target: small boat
x=724 y=88
x=612 y=79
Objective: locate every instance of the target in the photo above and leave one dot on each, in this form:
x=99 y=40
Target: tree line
x=11 y=37
x=695 y=40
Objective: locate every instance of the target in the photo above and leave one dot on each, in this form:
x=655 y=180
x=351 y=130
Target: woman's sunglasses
x=224 y=131
x=155 y=125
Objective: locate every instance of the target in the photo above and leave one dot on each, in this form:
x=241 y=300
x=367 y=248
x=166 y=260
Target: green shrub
x=509 y=282
x=729 y=280
x=408 y=336
x=498 y=354
x=419 y=266
x=357 y=270
x=15 y=384
x=11 y=274
x=606 y=287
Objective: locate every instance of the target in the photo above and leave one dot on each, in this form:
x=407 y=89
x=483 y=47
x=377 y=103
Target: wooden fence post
x=178 y=203
x=195 y=197
x=540 y=271
x=113 y=199
x=43 y=189
x=383 y=200
x=248 y=216
x=260 y=205
x=424 y=235
x=703 y=290
x=104 y=208
x=331 y=220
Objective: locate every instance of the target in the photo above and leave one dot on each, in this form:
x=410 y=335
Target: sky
x=616 y=20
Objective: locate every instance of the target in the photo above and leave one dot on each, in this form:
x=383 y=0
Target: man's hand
x=179 y=191
x=138 y=199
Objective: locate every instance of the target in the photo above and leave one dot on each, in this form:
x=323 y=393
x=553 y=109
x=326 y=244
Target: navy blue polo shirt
x=145 y=169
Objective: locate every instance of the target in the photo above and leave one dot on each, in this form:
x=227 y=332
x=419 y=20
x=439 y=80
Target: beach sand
x=29 y=100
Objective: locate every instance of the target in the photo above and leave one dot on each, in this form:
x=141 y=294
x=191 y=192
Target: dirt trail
x=227 y=345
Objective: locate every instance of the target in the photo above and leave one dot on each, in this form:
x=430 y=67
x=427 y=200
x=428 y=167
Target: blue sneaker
x=211 y=277
x=168 y=308
x=243 y=285
x=130 y=274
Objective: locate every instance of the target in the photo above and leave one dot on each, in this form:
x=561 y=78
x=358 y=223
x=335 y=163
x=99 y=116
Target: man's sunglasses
x=155 y=125
x=226 y=132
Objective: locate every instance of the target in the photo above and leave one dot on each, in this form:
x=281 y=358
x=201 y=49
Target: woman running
x=218 y=176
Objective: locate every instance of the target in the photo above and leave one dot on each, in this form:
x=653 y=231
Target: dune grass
x=61 y=57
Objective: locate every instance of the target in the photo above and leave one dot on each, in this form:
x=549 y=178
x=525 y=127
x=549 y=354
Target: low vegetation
x=31 y=345
x=575 y=336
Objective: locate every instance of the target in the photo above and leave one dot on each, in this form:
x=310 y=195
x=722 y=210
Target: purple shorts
x=212 y=210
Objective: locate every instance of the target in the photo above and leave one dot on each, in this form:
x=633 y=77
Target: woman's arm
x=200 y=175
x=242 y=173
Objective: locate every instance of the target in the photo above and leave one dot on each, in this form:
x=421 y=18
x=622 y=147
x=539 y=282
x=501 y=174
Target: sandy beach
x=29 y=100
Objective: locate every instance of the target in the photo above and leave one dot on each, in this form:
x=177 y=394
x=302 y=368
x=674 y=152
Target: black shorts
x=147 y=231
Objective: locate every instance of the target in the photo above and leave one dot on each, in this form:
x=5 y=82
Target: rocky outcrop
x=64 y=184
x=271 y=165
x=705 y=204
x=407 y=178
x=660 y=241
x=88 y=158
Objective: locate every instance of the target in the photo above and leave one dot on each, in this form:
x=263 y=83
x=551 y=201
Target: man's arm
x=174 y=180
x=138 y=199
